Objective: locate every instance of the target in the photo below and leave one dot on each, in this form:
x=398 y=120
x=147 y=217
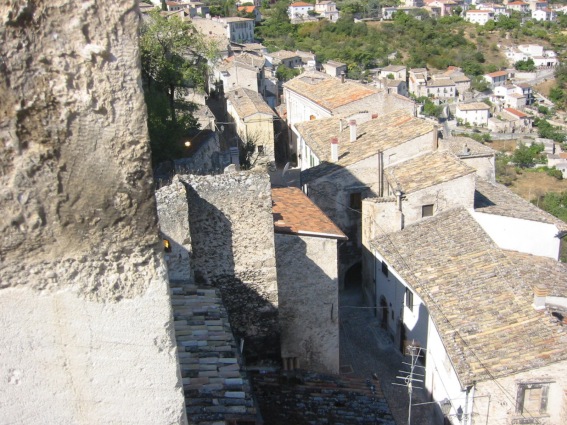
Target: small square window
x=260 y=149
x=385 y=270
x=532 y=398
x=427 y=210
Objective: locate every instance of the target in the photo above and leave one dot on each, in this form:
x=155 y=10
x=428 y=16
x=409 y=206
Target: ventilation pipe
x=334 y=149
x=343 y=75
x=352 y=124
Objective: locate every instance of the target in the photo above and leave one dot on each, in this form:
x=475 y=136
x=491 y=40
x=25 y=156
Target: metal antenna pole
x=409 y=377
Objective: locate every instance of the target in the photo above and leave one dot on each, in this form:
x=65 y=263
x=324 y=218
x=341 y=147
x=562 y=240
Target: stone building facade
x=228 y=241
x=87 y=333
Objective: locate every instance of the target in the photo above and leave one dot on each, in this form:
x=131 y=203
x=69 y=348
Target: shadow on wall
x=253 y=317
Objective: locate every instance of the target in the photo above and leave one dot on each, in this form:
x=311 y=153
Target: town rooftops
x=497 y=74
x=244 y=60
x=475 y=106
x=247 y=103
x=301 y=4
x=426 y=171
x=494 y=198
x=283 y=54
x=379 y=134
x=328 y=91
x=515 y=112
x=294 y=213
x=465 y=147
x=476 y=296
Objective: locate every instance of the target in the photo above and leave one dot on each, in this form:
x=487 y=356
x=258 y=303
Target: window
x=312 y=117
x=356 y=201
x=385 y=269
x=532 y=398
x=260 y=149
x=427 y=210
x=409 y=299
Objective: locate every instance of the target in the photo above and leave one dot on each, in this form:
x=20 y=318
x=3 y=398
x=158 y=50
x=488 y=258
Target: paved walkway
x=366 y=349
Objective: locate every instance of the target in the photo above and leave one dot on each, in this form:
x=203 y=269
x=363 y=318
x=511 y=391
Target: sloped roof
x=494 y=198
x=375 y=135
x=394 y=68
x=425 y=171
x=301 y=4
x=473 y=106
x=295 y=213
x=441 y=82
x=515 y=112
x=214 y=384
x=247 y=9
x=497 y=74
x=283 y=54
x=458 y=146
x=248 y=102
x=328 y=91
x=476 y=296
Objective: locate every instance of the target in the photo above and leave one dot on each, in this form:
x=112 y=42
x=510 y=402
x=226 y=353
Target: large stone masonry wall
x=87 y=332
x=233 y=248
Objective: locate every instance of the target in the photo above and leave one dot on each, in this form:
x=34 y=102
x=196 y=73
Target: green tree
x=548 y=131
x=527 y=156
x=174 y=60
x=525 y=65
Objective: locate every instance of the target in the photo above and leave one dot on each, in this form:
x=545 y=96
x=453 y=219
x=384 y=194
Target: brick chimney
x=334 y=149
x=352 y=124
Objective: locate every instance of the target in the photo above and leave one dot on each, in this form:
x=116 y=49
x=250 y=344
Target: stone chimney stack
x=334 y=149
x=540 y=294
x=352 y=124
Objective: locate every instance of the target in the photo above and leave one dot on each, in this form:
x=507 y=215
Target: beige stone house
x=253 y=121
x=489 y=323
x=475 y=113
x=343 y=162
x=399 y=72
x=244 y=70
x=307 y=241
x=474 y=154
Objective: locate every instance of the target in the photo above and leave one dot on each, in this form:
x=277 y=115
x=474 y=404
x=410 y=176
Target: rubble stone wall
x=87 y=332
x=233 y=248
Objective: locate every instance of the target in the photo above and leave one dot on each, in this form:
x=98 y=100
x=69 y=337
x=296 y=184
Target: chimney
x=435 y=138
x=352 y=124
x=334 y=149
x=342 y=77
x=540 y=293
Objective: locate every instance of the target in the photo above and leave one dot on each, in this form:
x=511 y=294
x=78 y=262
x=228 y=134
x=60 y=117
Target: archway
x=353 y=277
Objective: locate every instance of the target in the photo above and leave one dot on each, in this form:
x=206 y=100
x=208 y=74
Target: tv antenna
x=411 y=378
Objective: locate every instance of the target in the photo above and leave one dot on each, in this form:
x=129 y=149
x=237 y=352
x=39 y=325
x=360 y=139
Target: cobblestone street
x=366 y=349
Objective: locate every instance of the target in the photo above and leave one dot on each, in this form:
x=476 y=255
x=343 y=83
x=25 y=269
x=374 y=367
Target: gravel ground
x=366 y=349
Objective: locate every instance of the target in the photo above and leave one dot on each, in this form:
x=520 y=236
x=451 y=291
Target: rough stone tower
x=84 y=304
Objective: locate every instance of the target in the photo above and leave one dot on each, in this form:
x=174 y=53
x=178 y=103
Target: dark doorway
x=384 y=309
x=353 y=277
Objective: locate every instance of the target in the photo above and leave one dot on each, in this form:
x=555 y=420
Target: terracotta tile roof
x=470 y=12
x=497 y=74
x=247 y=9
x=458 y=146
x=476 y=296
x=441 y=82
x=317 y=399
x=494 y=198
x=248 y=102
x=300 y=4
x=473 y=106
x=328 y=91
x=516 y=112
x=376 y=135
x=295 y=213
x=425 y=171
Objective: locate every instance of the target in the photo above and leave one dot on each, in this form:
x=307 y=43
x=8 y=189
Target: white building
x=479 y=17
x=546 y=14
x=473 y=113
x=327 y=10
x=300 y=10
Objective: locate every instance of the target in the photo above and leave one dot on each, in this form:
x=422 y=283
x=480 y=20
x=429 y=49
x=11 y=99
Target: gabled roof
x=426 y=171
x=248 y=102
x=476 y=295
x=283 y=54
x=441 y=82
x=494 y=198
x=328 y=91
x=376 y=135
x=294 y=213
x=465 y=147
x=515 y=112
x=247 y=9
x=394 y=68
x=475 y=106
x=497 y=74
x=301 y=4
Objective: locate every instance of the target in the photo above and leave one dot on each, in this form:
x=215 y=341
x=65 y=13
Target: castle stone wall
x=87 y=332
